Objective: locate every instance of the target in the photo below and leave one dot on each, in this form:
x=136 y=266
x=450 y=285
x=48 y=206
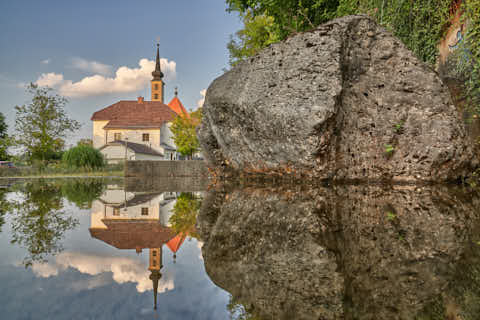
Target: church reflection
x=137 y=221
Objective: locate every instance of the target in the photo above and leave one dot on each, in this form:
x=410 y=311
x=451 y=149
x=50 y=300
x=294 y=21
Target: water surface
x=103 y=249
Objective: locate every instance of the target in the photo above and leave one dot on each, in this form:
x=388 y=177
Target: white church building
x=138 y=129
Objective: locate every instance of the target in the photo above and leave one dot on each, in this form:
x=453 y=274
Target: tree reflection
x=82 y=192
x=39 y=222
x=4 y=207
x=237 y=311
x=185 y=214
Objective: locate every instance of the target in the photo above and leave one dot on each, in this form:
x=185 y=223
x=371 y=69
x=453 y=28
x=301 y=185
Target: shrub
x=83 y=156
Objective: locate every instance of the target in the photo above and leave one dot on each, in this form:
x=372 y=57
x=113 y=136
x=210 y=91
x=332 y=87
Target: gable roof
x=135 y=147
x=132 y=114
x=177 y=106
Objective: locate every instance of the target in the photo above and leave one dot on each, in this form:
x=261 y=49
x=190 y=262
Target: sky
x=96 y=53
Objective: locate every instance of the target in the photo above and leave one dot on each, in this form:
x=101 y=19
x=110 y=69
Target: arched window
x=155 y=96
x=155 y=86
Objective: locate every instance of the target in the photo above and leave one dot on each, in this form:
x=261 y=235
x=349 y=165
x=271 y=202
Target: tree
x=42 y=125
x=4 y=141
x=184 y=134
x=185 y=212
x=39 y=222
x=83 y=156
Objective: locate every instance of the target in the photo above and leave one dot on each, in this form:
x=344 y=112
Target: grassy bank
x=58 y=171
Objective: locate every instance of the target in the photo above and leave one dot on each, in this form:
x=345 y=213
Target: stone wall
x=156 y=169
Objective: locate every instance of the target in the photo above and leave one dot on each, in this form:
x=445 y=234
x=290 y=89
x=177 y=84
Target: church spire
x=157 y=73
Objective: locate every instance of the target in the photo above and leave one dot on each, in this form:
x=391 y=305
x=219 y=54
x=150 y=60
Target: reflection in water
x=128 y=220
x=38 y=220
x=347 y=252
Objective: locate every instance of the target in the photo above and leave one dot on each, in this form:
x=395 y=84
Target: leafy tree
x=85 y=142
x=185 y=214
x=83 y=156
x=39 y=222
x=4 y=141
x=82 y=192
x=42 y=125
x=257 y=34
x=184 y=134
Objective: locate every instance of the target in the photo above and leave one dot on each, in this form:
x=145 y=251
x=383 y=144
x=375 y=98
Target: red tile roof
x=132 y=234
x=131 y=114
x=177 y=106
x=175 y=243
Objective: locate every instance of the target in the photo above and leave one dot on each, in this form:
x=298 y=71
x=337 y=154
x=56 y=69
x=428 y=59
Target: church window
x=154 y=253
x=144 y=211
x=116 y=211
x=145 y=137
x=155 y=86
x=117 y=136
x=155 y=96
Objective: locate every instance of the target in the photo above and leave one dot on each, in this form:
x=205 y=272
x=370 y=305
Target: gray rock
x=345 y=101
x=349 y=252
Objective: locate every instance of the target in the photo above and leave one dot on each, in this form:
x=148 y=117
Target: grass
x=57 y=170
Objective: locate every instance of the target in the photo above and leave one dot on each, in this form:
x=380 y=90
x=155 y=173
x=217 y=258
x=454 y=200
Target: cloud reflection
x=123 y=270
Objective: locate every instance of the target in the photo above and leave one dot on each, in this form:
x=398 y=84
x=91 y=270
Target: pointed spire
x=155 y=276
x=157 y=74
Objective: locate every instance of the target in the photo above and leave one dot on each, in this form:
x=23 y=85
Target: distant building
x=138 y=129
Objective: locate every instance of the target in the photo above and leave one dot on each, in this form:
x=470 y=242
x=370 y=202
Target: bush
x=83 y=156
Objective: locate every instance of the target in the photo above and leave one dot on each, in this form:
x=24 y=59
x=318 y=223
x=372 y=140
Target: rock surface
x=350 y=252
x=346 y=101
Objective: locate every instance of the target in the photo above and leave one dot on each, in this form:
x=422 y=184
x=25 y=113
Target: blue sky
x=78 y=47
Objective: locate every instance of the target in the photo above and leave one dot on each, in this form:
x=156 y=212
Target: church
x=139 y=129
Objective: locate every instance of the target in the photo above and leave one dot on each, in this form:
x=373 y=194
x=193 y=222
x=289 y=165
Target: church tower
x=155 y=264
x=157 y=82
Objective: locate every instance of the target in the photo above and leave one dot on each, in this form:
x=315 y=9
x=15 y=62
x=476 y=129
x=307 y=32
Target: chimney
x=140 y=99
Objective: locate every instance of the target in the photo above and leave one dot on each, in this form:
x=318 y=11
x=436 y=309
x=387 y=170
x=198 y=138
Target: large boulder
x=346 y=101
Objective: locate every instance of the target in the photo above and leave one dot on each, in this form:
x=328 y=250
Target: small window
x=144 y=211
x=117 y=136
x=154 y=263
x=146 y=137
x=116 y=211
x=155 y=96
x=154 y=253
x=155 y=86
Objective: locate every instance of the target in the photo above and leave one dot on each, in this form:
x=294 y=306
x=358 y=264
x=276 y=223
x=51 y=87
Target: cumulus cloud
x=202 y=101
x=125 y=80
x=123 y=270
x=91 y=66
x=46 y=61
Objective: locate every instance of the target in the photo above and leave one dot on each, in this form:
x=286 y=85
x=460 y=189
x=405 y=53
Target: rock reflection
x=347 y=252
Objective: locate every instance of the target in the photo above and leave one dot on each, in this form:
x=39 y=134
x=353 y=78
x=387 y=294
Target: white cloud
x=202 y=101
x=50 y=80
x=123 y=270
x=46 y=61
x=126 y=80
x=91 y=66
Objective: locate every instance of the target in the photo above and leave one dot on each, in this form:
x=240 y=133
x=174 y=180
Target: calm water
x=95 y=249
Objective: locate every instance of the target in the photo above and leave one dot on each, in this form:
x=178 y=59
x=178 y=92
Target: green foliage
x=39 y=222
x=42 y=125
x=85 y=142
x=4 y=141
x=83 y=156
x=389 y=149
x=82 y=192
x=184 y=134
x=185 y=214
x=257 y=34
x=391 y=215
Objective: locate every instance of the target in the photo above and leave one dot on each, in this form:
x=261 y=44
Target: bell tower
x=157 y=82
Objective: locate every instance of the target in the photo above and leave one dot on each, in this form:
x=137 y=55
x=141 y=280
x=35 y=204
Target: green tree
x=42 y=125
x=83 y=156
x=39 y=222
x=4 y=140
x=184 y=134
x=82 y=192
x=185 y=213
x=257 y=34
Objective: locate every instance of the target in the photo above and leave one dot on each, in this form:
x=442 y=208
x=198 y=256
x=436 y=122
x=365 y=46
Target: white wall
x=136 y=137
x=116 y=154
x=98 y=133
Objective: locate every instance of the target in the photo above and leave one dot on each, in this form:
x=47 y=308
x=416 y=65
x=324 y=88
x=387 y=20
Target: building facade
x=138 y=129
